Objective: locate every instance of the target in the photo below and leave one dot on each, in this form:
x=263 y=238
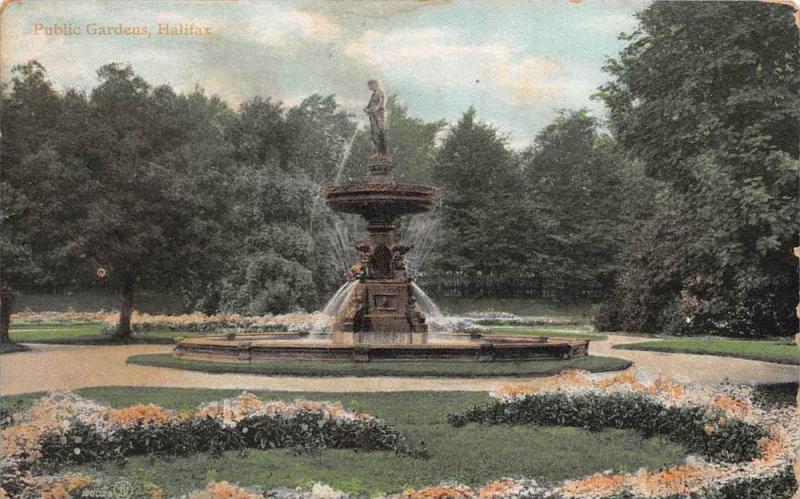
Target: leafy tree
x=37 y=192
x=319 y=131
x=481 y=189
x=707 y=95
x=141 y=221
x=582 y=200
x=258 y=133
x=271 y=271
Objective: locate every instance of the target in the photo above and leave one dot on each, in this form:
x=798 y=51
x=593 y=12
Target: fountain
x=376 y=314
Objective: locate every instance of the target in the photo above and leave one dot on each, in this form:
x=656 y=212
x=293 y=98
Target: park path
x=69 y=367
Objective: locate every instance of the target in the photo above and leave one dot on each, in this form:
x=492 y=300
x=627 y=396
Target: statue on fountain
x=375 y=111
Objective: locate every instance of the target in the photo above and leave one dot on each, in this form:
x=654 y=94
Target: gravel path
x=54 y=367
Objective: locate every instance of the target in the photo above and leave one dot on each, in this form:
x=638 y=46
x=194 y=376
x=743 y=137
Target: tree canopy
x=707 y=96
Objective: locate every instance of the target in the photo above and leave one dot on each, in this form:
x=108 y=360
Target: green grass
x=459 y=369
x=86 y=334
x=577 y=332
x=473 y=455
x=781 y=352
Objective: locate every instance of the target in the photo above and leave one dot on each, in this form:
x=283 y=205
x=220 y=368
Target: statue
x=374 y=110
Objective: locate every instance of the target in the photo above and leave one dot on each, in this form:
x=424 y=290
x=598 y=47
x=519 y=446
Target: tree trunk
x=125 y=311
x=6 y=301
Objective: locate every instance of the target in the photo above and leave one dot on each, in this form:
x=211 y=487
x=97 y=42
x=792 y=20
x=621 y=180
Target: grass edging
x=460 y=369
x=12 y=348
x=669 y=346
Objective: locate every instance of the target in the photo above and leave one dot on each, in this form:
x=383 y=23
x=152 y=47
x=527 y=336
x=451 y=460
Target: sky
x=517 y=62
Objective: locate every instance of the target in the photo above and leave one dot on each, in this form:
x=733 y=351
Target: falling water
x=427 y=305
x=421 y=232
x=339 y=298
x=339 y=168
x=346 y=154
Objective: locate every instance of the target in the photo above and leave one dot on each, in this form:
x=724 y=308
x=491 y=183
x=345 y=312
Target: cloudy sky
x=516 y=62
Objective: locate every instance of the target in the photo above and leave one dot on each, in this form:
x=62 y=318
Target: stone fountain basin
x=380 y=200
x=267 y=347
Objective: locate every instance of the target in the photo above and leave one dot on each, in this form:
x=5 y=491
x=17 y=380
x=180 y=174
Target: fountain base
x=371 y=346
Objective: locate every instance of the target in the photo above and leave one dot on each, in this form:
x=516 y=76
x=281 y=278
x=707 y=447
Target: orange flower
x=21 y=442
x=596 y=484
x=138 y=414
x=673 y=481
x=664 y=386
x=154 y=492
x=440 y=492
x=516 y=390
x=500 y=488
x=224 y=490
x=732 y=406
x=66 y=487
x=626 y=378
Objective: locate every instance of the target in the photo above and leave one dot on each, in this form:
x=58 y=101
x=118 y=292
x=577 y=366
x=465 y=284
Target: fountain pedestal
x=383 y=300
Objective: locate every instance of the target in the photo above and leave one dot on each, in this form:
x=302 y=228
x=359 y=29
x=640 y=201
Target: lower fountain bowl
x=361 y=347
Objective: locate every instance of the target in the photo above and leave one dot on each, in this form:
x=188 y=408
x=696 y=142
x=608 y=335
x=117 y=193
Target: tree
x=583 y=198
x=34 y=214
x=707 y=96
x=319 y=131
x=271 y=268
x=481 y=189
x=141 y=221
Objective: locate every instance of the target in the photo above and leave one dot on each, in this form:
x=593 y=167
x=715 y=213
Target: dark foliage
x=706 y=95
x=736 y=441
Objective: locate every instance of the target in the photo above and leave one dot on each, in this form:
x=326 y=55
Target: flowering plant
x=745 y=451
x=64 y=428
x=194 y=322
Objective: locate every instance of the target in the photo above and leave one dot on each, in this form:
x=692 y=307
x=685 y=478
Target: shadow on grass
x=12 y=348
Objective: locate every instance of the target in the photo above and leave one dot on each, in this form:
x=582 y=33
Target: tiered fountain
x=378 y=317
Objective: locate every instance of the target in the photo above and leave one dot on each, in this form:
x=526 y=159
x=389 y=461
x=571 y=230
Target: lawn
x=388 y=368
x=472 y=455
x=779 y=351
x=85 y=334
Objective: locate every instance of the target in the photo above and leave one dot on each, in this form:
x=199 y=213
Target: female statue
x=375 y=110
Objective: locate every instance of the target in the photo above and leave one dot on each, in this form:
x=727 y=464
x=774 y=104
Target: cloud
x=446 y=57
x=434 y=55
x=529 y=79
x=274 y=26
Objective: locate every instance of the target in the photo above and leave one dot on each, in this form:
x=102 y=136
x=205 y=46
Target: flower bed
x=195 y=322
x=744 y=451
x=64 y=428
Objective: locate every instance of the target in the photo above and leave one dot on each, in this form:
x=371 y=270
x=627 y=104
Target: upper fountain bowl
x=385 y=200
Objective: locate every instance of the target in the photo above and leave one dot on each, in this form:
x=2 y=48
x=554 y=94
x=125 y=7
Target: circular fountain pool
x=365 y=347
